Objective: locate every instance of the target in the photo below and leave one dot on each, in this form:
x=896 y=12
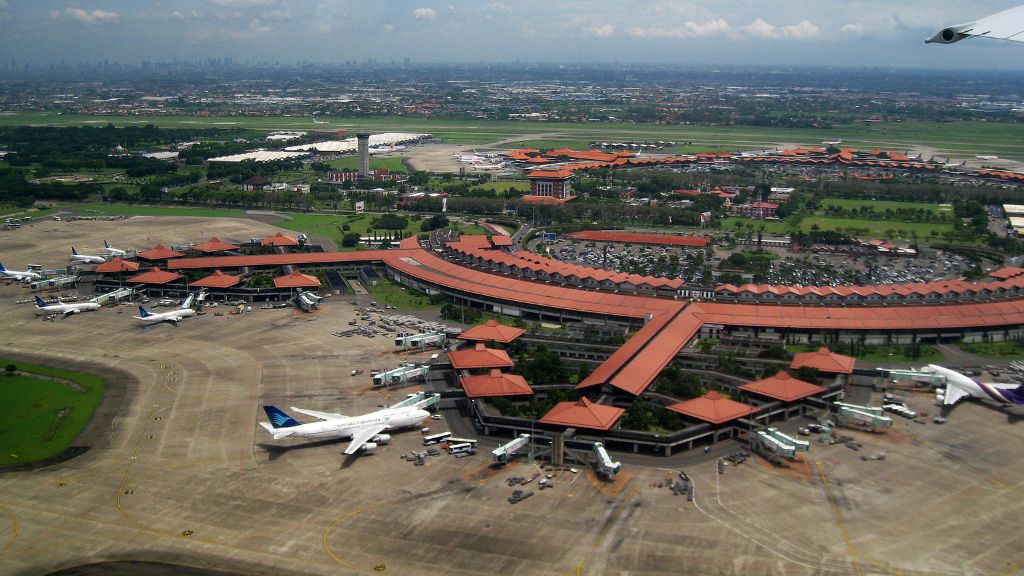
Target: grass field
x=41 y=417
x=393 y=164
x=882 y=205
x=965 y=138
x=770 y=226
x=878 y=228
x=387 y=292
x=1007 y=350
x=503 y=186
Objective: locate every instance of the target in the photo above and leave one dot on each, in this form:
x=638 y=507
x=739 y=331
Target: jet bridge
x=420 y=400
x=58 y=283
x=506 y=452
x=866 y=417
x=402 y=374
x=421 y=340
x=605 y=466
x=779 y=443
x=930 y=378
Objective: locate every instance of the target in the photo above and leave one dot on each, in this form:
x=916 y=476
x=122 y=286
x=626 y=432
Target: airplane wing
x=1005 y=25
x=362 y=437
x=320 y=415
x=953 y=395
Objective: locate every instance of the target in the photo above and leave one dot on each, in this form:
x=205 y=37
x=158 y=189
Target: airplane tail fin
x=1017 y=395
x=73 y=251
x=105 y=244
x=2 y=269
x=143 y=312
x=278 y=417
x=39 y=302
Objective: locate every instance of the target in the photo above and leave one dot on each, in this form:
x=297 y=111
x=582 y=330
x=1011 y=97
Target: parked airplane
x=21 y=276
x=44 y=309
x=365 y=431
x=77 y=258
x=173 y=316
x=1005 y=25
x=114 y=251
x=959 y=386
x=315 y=121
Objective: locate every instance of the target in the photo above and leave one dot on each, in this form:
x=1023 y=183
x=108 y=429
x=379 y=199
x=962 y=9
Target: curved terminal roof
x=214 y=245
x=154 y=276
x=279 y=239
x=714 y=408
x=824 y=360
x=582 y=414
x=479 y=357
x=492 y=331
x=217 y=280
x=116 y=265
x=495 y=383
x=159 y=252
x=296 y=280
x=783 y=387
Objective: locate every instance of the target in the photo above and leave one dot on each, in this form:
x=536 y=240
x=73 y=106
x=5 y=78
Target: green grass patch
x=40 y=418
x=331 y=226
x=878 y=228
x=17 y=213
x=388 y=292
x=735 y=224
x=876 y=352
x=394 y=163
x=882 y=205
x=1007 y=350
x=503 y=186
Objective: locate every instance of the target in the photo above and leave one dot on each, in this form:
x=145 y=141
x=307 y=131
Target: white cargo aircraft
x=44 y=309
x=114 y=251
x=365 y=431
x=959 y=386
x=21 y=276
x=1005 y=25
x=77 y=258
x=173 y=316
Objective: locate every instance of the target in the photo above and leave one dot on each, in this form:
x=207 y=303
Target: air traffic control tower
x=363 y=150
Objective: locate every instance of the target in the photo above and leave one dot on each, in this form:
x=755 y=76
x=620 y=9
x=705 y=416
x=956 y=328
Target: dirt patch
x=613 y=488
x=890 y=436
x=799 y=469
x=486 y=472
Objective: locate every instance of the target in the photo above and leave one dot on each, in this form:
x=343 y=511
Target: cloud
x=497 y=8
x=424 y=14
x=852 y=29
x=389 y=27
x=686 y=30
x=801 y=31
x=242 y=3
x=603 y=31
x=89 y=17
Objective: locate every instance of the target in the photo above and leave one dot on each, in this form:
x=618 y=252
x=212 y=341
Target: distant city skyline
x=739 y=32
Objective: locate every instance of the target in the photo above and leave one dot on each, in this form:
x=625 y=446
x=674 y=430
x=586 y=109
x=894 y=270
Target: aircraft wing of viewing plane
x=959 y=387
x=1005 y=25
x=364 y=431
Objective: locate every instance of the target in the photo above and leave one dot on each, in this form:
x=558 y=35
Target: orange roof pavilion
x=492 y=331
x=783 y=387
x=117 y=264
x=296 y=280
x=159 y=252
x=279 y=239
x=214 y=245
x=640 y=238
x=495 y=383
x=154 y=276
x=478 y=357
x=714 y=408
x=583 y=414
x=217 y=280
x=825 y=361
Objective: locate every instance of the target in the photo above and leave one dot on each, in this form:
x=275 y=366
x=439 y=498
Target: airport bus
x=436 y=438
x=451 y=440
x=464 y=448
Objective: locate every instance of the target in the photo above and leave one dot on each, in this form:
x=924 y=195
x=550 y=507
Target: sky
x=887 y=33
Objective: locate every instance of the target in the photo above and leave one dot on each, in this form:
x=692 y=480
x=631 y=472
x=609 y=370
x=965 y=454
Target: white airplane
x=364 y=431
x=488 y=167
x=77 y=258
x=173 y=316
x=315 y=121
x=44 y=309
x=833 y=142
x=21 y=276
x=469 y=158
x=1005 y=25
x=959 y=386
x=114 y=251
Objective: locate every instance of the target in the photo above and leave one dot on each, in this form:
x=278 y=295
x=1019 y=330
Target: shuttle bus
x=464 y=448
x=451 y=440
x=436 y=438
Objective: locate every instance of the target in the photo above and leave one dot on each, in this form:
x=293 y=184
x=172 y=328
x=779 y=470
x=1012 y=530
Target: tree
x=350 y=240
x=638 y=416
x=10 y=369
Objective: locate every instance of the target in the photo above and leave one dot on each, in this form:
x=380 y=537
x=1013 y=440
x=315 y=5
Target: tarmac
x=179 y=472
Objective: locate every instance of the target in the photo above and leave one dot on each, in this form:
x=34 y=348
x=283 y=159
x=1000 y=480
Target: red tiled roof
x=559 y=174
x=296 y=280
x=479 y=356
x=217 y=280
x=475 y=240
x=279 y=239
x=492 y=331
x=501 y=241
x=159 y=252
x=275 y=260
x=154 y=276
x=214 y=245
x=639 y=238
x=495 y=383
x=545 y=200
x=582 y=414
x=714 y=408
x=825 y=361
x=115 y=265
x=1001 y=274
x=783 y=387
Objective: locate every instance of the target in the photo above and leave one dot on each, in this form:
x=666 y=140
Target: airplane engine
x=381 y=439
x=951 y=34
x=368 y=447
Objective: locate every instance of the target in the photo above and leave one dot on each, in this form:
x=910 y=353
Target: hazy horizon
x=865 y=33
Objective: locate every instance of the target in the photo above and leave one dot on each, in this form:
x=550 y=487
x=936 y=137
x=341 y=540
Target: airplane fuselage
x=1006 y=395
x=66 y=308
x=347 y=427
x=172 y=316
